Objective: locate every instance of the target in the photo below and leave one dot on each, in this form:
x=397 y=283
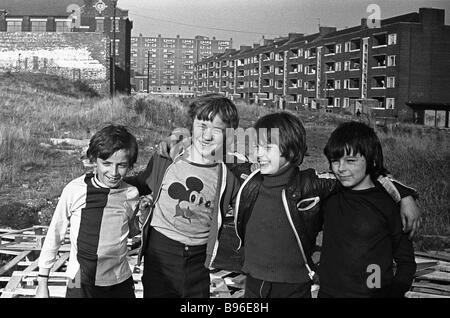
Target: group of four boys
x=278 y=211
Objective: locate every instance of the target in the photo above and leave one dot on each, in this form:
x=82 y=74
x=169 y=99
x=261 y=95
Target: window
x=38 y=26
x=346 y=83
x=62 y=26
x=337 y=102
x=337 y=84
x=347 y=46
x=346 y=102
x=117 y=25
x=338 y=48
x=337 y=66
x=305 y=100
x=379 y=39
x=14 y=26
x=100 y=25
x=391 y=60
x=392 y=39
x=390 y=103
x=346 y=65
x=391 y=82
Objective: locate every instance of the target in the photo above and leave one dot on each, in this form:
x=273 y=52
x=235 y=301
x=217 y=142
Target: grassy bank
x=32 y=112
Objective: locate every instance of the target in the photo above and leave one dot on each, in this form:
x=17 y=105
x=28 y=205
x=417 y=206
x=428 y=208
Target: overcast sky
x=246 y=21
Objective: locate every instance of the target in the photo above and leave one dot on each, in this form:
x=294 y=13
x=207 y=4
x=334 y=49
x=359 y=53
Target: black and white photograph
x=217 y=155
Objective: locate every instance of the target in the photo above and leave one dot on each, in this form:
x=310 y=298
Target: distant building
x=399 y=70
x=67 y=16
x=166 y=65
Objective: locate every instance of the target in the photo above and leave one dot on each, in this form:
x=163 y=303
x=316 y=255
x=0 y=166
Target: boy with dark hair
x=362 y=226
x=191 y=195
x=277 y=215
x=98 y=206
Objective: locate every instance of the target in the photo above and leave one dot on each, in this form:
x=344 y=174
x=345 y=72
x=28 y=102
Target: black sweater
x=363 y=230
x=271 y=250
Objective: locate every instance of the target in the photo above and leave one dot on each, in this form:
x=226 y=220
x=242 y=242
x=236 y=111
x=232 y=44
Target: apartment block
x=166 y=65
x=397 y=71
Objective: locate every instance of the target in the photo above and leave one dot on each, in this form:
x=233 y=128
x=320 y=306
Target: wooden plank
x=54 y=291
x=434 y=255
x=219 y=289
x=32 y=266
x=426 y=284
x=8 y=252
x=220 y=274
x=443 y=268
x=16 y=231
x=412 y=294
x=30 y=247
x=14 y=282
x=60 y=262
x=238 y=294
x=13 y=262
x=430 y=291
x=435 y=276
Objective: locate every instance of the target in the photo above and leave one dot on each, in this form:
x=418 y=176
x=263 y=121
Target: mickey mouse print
x=187 y=201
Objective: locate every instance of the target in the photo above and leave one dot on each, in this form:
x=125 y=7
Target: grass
x=34 y=110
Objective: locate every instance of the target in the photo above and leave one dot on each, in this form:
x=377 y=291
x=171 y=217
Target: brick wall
x=71 y=55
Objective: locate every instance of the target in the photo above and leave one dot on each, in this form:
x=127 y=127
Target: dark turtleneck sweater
x=271 y=250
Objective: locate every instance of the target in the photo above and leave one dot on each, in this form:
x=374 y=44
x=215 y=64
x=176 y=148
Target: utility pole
x=148 y=72
x=114 y=50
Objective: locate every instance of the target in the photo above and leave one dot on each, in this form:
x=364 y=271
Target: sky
x=247 y=21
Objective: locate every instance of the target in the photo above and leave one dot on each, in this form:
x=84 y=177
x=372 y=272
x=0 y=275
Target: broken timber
x=20 y=273
x=18 y=276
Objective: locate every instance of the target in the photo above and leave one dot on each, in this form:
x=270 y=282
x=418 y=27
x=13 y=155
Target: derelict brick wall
x=71 y=55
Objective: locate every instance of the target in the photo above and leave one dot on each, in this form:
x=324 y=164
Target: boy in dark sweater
x=362 y=226
x=277 y=215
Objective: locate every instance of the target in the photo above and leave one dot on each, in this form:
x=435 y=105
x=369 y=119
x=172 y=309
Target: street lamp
x=114 y=49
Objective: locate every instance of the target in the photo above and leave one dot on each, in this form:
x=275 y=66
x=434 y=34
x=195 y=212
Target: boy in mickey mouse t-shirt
x=191 y=196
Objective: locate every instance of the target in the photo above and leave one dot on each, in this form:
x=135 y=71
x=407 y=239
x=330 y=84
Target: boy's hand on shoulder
x=410 y=214
x=171 y=146
x=145 y=202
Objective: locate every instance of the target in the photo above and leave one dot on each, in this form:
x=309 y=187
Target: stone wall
x=76 y=56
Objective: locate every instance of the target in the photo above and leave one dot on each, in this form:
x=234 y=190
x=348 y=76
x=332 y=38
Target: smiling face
x=351 y=171
x=112 y=170
x=207 y=139
x=269 y=158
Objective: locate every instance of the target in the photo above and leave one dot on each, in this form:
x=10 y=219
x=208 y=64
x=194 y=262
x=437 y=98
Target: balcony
x=379 y=40
x=354 y=84
x=329 y=49
x=329 y=67
x=355 y=64
x=378 y=82
x=379 y=61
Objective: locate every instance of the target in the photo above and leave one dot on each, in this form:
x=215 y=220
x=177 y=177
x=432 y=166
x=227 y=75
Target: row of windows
x=329 y=49
x=378 y=82
x=61 y=26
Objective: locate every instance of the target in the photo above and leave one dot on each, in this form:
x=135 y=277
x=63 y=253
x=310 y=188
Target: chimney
x=363 y=23
x=326 y=30
x=295 y=35
x=431 y=18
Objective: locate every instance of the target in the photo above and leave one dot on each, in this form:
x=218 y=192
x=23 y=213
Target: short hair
x=207 y=106
x=357 y=137
x=291 y=132
x=110 y=139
